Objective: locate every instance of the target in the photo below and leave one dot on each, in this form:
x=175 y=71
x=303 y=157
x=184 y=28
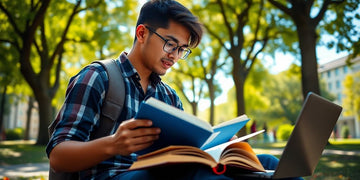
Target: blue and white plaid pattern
x=81 y=110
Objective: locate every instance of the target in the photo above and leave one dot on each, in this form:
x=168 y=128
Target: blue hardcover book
x=180 y=128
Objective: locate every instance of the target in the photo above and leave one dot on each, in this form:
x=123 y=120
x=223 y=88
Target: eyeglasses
x=170 y=46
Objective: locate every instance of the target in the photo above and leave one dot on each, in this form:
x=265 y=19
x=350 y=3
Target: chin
x=160 y=72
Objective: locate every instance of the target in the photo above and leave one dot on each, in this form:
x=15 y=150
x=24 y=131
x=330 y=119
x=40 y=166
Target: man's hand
x=134 y=135
x=131 y=136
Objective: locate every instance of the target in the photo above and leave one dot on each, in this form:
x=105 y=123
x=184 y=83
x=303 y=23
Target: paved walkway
x=25 y=170
x=41 y=169
x=326 y=152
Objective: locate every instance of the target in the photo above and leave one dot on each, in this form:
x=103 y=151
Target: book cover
x=180 y=128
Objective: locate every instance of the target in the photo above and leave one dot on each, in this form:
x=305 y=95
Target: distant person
x=274 y=133
x=266 y=135
x=253 y=127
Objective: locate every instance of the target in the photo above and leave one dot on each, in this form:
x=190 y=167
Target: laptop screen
x=309 y=137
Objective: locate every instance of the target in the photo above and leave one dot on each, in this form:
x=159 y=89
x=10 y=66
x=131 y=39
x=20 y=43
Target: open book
x=180 y=128
x=234 y=154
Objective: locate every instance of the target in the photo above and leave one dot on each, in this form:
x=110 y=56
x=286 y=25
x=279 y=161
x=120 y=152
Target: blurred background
x=257 y=57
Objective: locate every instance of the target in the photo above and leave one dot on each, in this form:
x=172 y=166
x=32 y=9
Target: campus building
x=17 y=117
x=334 y=73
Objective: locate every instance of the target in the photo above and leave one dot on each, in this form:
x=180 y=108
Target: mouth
x=167 y=63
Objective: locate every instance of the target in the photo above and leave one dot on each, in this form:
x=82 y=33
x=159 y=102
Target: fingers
x=133 y=124
x=134 y=135
x=139 y=128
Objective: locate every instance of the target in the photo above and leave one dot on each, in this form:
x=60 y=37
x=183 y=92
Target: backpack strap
x=114 y=98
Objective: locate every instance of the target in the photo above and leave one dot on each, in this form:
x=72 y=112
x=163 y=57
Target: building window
x=345 y=69
x=337 y=84
x=336 y=71
x=339 y=97
x=329 y=86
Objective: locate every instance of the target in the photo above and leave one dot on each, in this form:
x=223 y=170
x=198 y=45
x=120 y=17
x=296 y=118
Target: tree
x=241 y=29
x=284 y=93
x=40 y=51
x=200 y=69
x=9 y=76
x=185 y=77
x=307 y=16
x=210 y=66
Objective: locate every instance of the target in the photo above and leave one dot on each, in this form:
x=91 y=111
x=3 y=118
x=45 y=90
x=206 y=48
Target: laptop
x=307 y=141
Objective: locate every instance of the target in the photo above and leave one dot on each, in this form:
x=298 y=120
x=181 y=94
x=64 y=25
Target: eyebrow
x=176 y=40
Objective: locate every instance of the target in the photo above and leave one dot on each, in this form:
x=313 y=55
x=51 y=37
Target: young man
x=164 y=33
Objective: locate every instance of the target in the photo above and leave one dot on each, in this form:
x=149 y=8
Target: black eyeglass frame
x=185 y=50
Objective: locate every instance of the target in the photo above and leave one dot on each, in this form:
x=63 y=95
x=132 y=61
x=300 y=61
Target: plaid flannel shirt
x=81 y=110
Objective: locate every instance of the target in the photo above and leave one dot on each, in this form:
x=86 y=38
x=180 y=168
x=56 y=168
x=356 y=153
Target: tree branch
x=14 y=43
x=45 y=49
x=257 y=29
x=281 y=7
x=242 y=18
x=215 y=35
x=324 y=8
x=38 y=50
x=56 y=85
x=89 y=7
x=60 y=45
x=11 y=20
x=226 y=21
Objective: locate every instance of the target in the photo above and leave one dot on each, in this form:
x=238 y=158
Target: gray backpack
x=112 y=107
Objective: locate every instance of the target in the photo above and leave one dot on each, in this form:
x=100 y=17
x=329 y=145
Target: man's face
x=155 y=58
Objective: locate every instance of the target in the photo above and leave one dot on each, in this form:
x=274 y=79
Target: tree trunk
x=307 y=42
x=45 y=112
x=212 y=103
x=194 y=107
x=239 y=81
x=2 y=110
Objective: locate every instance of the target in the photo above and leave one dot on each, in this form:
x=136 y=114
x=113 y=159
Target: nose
x=174 y=55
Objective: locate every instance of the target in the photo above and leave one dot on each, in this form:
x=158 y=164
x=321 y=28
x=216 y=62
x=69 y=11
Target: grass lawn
x=20 y=152
x=331 y=167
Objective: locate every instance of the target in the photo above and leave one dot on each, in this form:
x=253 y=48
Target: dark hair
x=158 y=13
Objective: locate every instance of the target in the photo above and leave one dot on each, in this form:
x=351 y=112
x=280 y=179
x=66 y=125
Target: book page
x=173 y=155
x=216 y=151
x=225 y=131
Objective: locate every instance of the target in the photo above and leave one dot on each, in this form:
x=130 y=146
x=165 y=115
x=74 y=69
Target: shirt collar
x=129 y=70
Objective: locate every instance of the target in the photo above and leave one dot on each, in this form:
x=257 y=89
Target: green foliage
x=351 y=101
x=284 y=132
x=14 y=134
x=342 y=23
x=284 y=93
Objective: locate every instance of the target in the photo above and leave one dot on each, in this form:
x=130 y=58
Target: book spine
x=219 y=169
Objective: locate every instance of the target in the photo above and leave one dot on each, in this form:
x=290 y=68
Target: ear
x=141 y=33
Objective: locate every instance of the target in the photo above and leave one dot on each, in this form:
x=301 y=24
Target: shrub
x=14 y=134
x=345 y=132
x=284 y=132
